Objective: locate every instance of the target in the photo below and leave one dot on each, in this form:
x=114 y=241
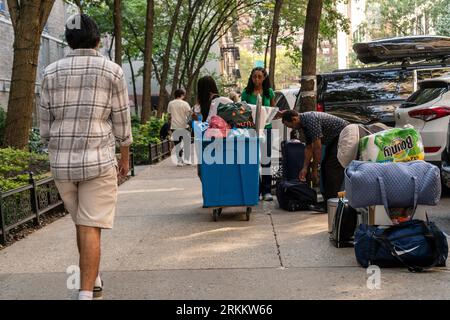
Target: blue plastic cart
x=229 y=172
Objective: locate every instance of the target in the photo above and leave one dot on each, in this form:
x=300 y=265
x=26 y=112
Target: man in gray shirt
x=320 y=129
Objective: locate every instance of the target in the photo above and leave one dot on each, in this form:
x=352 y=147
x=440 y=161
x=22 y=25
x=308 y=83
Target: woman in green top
x=259 y=84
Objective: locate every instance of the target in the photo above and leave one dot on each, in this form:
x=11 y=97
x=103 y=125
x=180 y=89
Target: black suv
x=368 y=95
x=371 y=94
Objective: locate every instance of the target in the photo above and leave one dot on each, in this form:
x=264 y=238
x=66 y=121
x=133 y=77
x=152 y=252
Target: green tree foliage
x=292 y=22
x=389 y=18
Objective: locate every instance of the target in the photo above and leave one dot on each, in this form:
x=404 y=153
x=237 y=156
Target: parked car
x=428 y=110
x=372 y=94
x=368 y=95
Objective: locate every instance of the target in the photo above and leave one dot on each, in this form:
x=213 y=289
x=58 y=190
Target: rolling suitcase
x=293 y=154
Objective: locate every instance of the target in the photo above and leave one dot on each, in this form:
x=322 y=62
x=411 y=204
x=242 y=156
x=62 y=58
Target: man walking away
x=179 y=113
x=320 y=128
x=84 y=110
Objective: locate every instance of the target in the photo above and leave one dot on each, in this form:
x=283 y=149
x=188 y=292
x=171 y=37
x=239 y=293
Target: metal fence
x=159 y=151
x=27 y=203
x=30 y=202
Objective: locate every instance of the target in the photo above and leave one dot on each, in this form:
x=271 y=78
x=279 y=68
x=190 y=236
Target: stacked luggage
x=292 y=194
x=392 y=179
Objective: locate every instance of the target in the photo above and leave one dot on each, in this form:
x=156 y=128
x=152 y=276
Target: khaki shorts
x=91 y=203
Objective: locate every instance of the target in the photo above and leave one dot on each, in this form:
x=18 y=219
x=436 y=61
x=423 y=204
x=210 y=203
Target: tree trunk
x=147 y=86
x=118 y=31
x=309 y=54
x=133 y=80
x=273 y=42
x=163 y=94
x=266 y=51
x=28 y=21
x=110 y=47
x=184 y=41
x=80 y=7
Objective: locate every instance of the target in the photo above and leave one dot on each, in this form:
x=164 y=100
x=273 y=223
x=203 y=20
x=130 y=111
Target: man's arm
x=306 y=162
x=317 y=153
x=45 y=116
x=317 y=158
x=121 y=121
x=312 y=152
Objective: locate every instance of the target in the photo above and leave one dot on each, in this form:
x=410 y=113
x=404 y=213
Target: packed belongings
x=242 y=115
x=392 y=179
x=394 y=145
x=292 y=194
x=228 y=154
x=342 y=221
x=399 y=188
x=349 y=138
x=237 y=115
x=217 y=128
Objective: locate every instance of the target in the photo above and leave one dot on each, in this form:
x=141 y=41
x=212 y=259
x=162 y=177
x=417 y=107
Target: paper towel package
x=393 y=145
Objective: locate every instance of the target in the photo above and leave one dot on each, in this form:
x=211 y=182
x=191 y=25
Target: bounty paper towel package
x=394 y=145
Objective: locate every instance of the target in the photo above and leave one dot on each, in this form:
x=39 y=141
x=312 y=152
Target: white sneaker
x=268 y=197
x=180 y=163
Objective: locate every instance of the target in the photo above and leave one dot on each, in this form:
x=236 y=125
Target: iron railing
x=30 y=202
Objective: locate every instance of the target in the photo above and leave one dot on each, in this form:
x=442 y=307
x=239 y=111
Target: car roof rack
x=406 y=64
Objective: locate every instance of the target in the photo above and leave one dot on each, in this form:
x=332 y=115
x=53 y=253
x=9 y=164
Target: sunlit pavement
x=166 y=246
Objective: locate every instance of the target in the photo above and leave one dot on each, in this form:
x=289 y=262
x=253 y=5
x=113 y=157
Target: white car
x=428 y=110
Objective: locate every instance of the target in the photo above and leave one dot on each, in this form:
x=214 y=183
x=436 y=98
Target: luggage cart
x=229 y=171
x=227 y=183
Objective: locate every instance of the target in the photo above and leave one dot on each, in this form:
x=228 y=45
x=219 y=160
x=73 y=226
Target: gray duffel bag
x=405 y=184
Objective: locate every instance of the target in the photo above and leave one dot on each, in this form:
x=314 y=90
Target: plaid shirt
x=84 y=109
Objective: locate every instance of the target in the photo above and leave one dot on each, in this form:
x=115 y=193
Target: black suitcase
x=293 y=154
x=294 y=195
x=344 y=225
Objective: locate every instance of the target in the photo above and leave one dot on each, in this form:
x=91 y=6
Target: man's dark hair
x=289 y=115
x=179 y=93
x=82 y=32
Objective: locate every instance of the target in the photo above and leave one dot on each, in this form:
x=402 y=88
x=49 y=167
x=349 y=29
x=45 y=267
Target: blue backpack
x=414 y=244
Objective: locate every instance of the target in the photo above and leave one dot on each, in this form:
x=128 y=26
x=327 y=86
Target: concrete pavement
x=166 y=246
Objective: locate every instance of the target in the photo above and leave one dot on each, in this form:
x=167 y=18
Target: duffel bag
x=413 y=244
x=403 y=184
x=294 y=195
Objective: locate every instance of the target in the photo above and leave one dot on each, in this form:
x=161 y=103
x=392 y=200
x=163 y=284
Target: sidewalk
x=165 y=246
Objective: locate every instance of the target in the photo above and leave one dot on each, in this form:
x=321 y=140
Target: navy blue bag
x=414 y=244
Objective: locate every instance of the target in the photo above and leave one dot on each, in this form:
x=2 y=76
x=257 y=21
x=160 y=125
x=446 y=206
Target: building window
x=2 y=5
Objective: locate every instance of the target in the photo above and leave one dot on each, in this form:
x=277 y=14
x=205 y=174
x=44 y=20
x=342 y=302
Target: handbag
x=414 y=244
x=396 y=185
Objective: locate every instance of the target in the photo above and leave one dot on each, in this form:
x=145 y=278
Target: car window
x=368 y=86
x=431 y=73
x=428 y=91
x=282 y=103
